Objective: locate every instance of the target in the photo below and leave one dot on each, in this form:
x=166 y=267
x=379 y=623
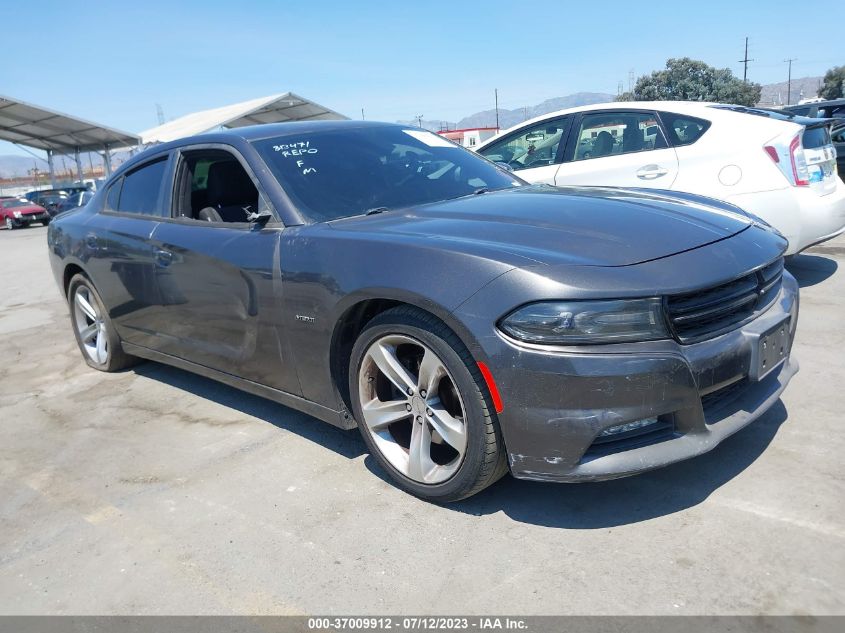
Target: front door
x=533 y=152
x=218 y=273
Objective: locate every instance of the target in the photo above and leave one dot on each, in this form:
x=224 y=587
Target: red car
x=17 y=212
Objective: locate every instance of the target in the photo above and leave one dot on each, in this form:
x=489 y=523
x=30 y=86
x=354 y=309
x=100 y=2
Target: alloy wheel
x=412 y=409
x=9 y=223
x=90 y=325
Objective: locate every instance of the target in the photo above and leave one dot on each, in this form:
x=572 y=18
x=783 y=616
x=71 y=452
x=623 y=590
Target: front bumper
x=29 y=218
x=558 y=402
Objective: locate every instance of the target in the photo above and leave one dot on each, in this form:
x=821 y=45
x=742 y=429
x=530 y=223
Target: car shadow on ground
x=346 y=443
x=810 y=270
x=623 y=501
x=570 y=506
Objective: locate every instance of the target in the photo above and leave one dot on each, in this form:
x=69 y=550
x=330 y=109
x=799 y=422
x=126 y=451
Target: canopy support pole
x=78 y=165
x=106 y=161
x=52 y=170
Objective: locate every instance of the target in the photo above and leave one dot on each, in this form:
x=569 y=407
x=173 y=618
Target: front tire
x=95 y=334
x=422 y=408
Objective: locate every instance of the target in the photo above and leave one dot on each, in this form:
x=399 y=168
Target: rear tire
x=95 y=334
x=438 y=436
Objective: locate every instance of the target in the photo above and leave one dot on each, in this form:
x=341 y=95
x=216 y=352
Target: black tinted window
x=141 y=189
x=683 y=130
x=345 y=172
x=815 y=137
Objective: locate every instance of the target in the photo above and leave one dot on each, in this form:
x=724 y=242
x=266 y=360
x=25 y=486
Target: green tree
x=834 y=83
x=688 y=79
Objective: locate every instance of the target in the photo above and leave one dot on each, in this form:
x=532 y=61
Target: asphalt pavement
x=154 y=491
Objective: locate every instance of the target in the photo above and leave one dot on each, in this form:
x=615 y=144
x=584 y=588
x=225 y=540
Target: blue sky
x=112 y=62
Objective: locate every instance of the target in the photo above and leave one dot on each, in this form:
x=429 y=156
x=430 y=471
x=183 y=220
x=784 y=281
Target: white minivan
x=777 y=166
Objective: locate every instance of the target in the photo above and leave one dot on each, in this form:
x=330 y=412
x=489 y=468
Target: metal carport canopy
x=273 y=109
x=39 y=128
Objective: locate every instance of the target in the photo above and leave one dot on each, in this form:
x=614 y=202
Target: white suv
x=777 y=166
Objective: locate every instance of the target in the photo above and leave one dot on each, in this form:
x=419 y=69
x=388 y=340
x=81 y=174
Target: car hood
x=586 y=226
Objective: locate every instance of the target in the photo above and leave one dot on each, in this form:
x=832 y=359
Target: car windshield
x=345 y=172
x=11 y=204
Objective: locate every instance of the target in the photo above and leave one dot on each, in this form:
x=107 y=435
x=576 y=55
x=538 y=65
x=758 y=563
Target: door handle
x=650 y=172
x=163 y=258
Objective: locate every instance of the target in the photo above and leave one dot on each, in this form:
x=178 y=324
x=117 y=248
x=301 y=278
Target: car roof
x=678 y=107
x=707 y=109
x=254 y=133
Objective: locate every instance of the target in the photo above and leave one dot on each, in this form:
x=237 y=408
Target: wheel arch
x=357 y=311
x=70 y=270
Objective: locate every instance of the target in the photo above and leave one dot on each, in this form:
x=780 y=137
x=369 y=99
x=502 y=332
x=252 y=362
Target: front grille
x=663 y=429
x=698 y=315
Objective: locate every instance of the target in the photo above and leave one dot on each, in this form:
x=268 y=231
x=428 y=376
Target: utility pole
x=496 y=97
x=419 y=120
x=631 y=81
x=789 y=80
x=362 y=114
x=160 y=114
x=745 y=61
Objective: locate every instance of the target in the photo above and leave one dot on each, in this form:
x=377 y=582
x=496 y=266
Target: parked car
x=833 y=108
x=18 y=212
x=777 y=166
x=468 y=323
x=838 y=137
x=50 y=199
x=74 y=201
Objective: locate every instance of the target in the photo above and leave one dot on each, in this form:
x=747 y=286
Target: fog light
x=628 y=426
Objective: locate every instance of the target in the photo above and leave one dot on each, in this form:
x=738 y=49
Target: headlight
x=573 y=322
x=17 y=214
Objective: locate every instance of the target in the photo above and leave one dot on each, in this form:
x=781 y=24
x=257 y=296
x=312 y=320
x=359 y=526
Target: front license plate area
x=772 y=350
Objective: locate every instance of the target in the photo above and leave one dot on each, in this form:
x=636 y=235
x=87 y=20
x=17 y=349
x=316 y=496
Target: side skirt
x=340 y=419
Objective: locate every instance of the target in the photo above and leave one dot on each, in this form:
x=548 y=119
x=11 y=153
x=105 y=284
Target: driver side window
x=535 y=146
x=212 y=186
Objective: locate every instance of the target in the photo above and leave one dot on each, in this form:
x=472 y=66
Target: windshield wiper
x=375 y=210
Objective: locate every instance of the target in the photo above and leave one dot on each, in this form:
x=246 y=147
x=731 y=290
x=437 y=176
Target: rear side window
x=142 y=188
x=113 y=195
x=609 y=133
x=683 y=130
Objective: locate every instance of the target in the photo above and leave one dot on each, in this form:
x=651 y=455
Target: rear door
x=219 y=277
x=618 y=148
x=119 y=254
x=535 y=152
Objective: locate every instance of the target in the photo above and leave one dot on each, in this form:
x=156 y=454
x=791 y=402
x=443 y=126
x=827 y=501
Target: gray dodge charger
x=468 y=324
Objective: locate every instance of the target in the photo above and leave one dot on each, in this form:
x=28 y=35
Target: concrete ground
x=154 y=491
